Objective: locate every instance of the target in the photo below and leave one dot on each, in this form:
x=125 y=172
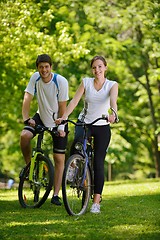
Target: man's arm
x=62 y=108
x=26 y=105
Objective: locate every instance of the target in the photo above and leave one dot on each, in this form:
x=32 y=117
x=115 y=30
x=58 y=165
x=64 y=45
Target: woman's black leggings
x=101 y=135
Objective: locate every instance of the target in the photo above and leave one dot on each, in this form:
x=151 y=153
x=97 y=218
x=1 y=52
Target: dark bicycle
x=36 y=178
x=78 y=177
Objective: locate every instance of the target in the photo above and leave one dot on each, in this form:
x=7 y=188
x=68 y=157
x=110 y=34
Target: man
x=52 y=95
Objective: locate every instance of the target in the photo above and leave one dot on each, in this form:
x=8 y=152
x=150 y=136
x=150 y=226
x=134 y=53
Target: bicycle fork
x=83 y=184
x=32 y=168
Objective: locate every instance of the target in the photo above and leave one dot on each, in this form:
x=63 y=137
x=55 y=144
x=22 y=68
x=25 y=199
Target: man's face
x=44 y=69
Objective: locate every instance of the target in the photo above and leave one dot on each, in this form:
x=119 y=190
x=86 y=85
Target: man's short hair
x=43 y=58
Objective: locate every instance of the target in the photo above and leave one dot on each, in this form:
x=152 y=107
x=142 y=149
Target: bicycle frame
x=85 y=139
x=33 y=161
x=36 y=178
x=78 y=177
x=84 y=148
x=38 y=150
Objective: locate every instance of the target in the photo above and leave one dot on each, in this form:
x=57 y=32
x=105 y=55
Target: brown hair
x=43 y=58
x=98 y=58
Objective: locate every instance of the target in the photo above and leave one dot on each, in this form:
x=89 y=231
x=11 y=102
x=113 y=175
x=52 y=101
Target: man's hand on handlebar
x=60 y=128
x=30 y=122
x=62 y=133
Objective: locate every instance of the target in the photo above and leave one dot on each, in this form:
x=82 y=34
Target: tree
x=128 y=32
x=125 y=32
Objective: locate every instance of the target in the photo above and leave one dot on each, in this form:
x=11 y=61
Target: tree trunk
x=155 y=141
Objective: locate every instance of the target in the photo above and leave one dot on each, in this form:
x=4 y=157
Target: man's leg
x=25 y=140
x=59 y=149
x=25 y=145
x=58 y=173
x=59 y=160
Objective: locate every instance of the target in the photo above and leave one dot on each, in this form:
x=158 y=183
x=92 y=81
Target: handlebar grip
x=116 y=115
x=117 y=120
x=56 y=133
x=105 y=117
x=64 y=121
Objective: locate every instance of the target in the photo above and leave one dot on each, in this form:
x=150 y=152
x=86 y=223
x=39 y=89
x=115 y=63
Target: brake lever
x=116 y=115
x=105 y=117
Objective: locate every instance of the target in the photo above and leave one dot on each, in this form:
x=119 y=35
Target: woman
x=100 y=95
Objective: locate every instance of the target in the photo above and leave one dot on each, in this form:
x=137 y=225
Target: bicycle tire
x=76 y=197
x=32 y=194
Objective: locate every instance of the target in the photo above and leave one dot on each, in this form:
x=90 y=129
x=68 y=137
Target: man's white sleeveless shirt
x=96 y=103
x=47 y=96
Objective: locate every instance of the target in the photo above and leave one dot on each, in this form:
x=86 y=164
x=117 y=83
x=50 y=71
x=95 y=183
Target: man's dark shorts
x=59 y=143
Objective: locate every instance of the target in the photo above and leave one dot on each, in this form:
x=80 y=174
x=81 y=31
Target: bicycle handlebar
x=81 y=123
x=104 y=117
x=41 y=129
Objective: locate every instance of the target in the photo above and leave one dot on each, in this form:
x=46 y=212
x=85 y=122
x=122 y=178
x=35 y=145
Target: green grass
x=129 y=210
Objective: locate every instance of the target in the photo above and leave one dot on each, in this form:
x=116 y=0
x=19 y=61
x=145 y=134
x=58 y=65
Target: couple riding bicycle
x=100 y=95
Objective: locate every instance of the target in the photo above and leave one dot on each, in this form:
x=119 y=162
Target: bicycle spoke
x=75 y=189
x=33 y=192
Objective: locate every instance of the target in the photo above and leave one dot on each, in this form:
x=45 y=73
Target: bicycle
x=78 y=176
x=36 y=178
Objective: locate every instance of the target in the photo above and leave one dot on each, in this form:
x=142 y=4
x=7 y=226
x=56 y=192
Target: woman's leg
x=102 y=137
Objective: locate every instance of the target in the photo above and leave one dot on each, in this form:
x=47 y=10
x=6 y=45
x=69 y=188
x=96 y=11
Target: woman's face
x=98 y=68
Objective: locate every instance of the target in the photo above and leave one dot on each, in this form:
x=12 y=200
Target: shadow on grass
x=125 y=217
x=123 y=182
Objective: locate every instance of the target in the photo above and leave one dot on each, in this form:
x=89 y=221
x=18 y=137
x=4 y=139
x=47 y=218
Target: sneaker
x=95 y=208
x=56 y=200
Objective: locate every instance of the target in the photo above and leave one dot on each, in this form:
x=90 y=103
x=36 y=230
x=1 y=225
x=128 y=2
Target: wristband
x=61 y=127
x=26 y=121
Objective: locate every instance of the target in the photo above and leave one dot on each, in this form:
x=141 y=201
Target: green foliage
x=72 y=32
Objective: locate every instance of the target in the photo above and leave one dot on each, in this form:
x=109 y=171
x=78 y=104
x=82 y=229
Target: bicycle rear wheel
x=32 y=194
x=75 y=194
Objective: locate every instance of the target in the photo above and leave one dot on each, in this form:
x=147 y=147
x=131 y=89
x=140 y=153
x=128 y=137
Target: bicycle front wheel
x=32 y=193
x=76 y=185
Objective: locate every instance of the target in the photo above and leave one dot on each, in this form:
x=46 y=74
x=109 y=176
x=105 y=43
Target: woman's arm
x=113 y=101
x=61 y=108
x=73 y=103
x=71 y=106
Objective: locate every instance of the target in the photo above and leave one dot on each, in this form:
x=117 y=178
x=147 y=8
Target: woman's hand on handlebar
x=58 y=121
x=111 y=118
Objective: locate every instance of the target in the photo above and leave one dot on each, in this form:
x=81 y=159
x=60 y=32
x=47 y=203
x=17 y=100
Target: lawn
x=129 y=210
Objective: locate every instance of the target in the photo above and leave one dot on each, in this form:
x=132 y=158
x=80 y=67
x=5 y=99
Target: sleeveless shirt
x=96 y=103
